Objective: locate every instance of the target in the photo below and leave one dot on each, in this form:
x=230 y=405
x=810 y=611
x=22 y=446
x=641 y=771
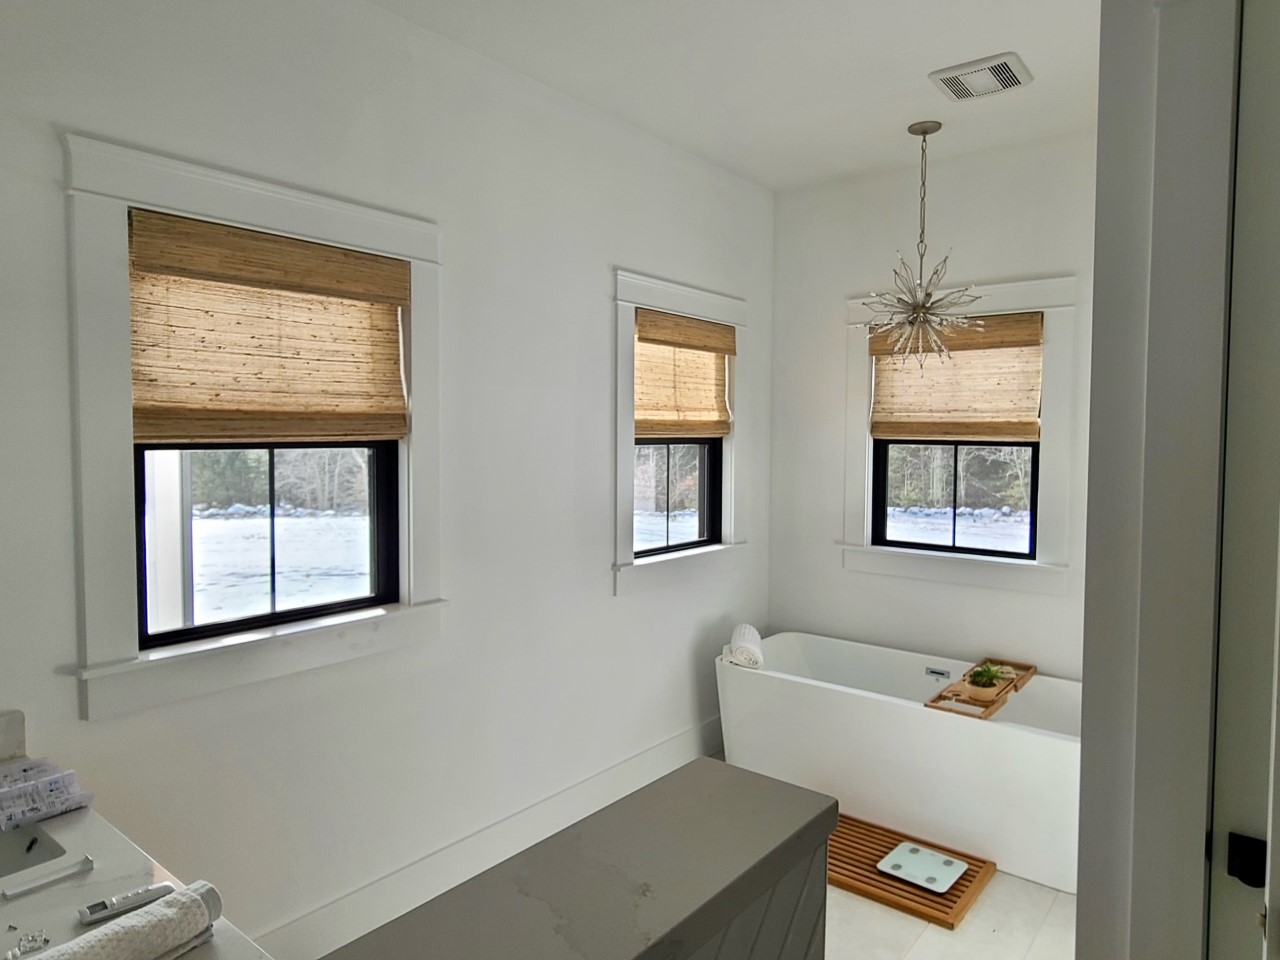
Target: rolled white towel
x=745 y=647
x=159 y=931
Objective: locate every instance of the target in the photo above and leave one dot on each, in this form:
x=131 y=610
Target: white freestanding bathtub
x=848 y=719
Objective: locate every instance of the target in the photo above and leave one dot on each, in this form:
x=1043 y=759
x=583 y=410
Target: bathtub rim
x=722 y=660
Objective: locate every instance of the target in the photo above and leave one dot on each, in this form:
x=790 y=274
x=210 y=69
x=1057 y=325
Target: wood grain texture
x=216 y=361
x=183 y=247
x=997 y=331
x=680 y=392
x=673 y=330
x=976 y=394
x=954 y=698
x=857 y=846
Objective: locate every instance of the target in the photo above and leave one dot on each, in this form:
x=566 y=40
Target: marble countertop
x=655 y=874
x=119 y=866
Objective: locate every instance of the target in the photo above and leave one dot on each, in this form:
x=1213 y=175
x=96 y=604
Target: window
x=956 y=444
x=677 y=495
x=262 y=535
x=962 y=497
x=682 y=414
x=268 y=403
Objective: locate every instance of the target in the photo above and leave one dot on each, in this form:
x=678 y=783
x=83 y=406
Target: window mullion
x=955 y=489
x=667 y=448
x=702 y=490
x=271 y=518
x=188 y=557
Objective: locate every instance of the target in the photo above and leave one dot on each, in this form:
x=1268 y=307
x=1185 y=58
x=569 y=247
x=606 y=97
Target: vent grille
x=981 y=78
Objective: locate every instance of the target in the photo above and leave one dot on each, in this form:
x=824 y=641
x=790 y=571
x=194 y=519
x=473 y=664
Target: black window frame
x=879 y=495
x=710 y=492
x=384 y=528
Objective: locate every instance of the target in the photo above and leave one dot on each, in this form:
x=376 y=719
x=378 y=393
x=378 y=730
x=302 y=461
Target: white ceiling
x=790 y=92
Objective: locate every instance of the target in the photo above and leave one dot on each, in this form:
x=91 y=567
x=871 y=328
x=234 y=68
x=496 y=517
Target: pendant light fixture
x=916 y=320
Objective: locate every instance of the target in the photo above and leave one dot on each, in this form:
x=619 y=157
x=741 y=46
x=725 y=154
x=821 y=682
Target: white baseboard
x=314 y=934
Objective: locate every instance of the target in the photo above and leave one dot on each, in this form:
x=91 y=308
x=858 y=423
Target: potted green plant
x=985 y=681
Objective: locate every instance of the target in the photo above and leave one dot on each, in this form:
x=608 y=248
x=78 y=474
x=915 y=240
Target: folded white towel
x=745 y=647
x=159 y=931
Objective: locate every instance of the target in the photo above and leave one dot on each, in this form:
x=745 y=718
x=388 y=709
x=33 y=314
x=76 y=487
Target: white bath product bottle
x=160 y=929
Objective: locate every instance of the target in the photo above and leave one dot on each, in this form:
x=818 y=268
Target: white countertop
x=119 y=866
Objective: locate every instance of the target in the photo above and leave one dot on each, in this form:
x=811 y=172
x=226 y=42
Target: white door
x=1246 y=795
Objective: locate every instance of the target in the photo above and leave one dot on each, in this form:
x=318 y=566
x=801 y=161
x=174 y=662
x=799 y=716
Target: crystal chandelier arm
x=955 y=299
x=905 y=280
x=935 y=278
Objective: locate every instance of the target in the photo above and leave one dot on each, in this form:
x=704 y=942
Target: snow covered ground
x=318 y=560
x=651 y=528
x=1011 y=534
x=326 y=559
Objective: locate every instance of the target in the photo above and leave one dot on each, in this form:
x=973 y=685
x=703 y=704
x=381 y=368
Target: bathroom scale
x=924 y=867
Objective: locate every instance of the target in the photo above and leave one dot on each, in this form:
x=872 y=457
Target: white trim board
x=179 y=186
x=354 y=914
x=656 y=294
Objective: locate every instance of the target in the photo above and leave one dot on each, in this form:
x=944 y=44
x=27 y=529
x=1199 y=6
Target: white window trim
x=637 y=290
x=1048 y=574
x=103 y=181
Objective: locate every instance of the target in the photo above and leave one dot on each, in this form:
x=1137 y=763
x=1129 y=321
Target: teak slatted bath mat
x=857 y=846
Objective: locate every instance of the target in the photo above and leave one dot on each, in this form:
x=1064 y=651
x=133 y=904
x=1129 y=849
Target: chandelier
x=916 y=321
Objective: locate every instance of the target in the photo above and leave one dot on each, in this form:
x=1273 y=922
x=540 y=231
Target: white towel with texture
x=745 y=648
x=159 y=931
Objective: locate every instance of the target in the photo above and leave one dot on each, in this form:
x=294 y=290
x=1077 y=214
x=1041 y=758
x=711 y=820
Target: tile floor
x=1013 y=920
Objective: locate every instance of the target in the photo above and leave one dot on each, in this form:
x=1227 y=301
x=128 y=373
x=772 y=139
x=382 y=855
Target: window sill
x=995 y=573
x=179 y=672
x=669 y=569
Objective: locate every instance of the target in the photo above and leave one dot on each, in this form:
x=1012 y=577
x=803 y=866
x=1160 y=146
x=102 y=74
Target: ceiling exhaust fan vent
x=981 y=78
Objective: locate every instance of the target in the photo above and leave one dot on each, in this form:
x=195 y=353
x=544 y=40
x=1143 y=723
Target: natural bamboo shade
x=228 y=358
x=1003 y=330
x=681 y=376
x=182 y=247
x=987 y=390
x=672 y=330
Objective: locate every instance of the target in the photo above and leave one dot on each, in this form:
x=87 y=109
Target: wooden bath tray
x=857 y=846
x=952 y=698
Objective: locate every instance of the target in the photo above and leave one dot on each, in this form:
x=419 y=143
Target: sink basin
x=26 y=847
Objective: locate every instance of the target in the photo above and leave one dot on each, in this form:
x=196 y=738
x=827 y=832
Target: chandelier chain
x=924 y=179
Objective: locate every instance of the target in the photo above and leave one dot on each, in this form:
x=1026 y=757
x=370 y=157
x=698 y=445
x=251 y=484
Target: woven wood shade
x=989 y=392
x=216 y=360
x=681 y=376
x=182 y=247
x=1004 y=330
x=672 y=330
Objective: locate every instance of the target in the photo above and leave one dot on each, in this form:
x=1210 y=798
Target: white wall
x=289 y=794
x=1012 y=214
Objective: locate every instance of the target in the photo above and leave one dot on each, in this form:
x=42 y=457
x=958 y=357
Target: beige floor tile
x=1002 y=925
x=1057 y=938
x=861 y=929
